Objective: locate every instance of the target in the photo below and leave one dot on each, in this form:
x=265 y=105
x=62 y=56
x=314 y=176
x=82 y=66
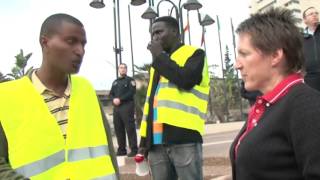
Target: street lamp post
x=98 y=4
x=206 y=21
x=223 y=76
x=119 y=48
x=235 y=57
x=132 y=61
x=151 y=14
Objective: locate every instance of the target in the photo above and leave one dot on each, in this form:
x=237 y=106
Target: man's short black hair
x=123 y=64
x=51 y=25
x=304 y=12
x=170 y=21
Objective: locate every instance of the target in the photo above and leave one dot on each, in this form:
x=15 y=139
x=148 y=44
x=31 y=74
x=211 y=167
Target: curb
x=213 y=167
x=207 y=161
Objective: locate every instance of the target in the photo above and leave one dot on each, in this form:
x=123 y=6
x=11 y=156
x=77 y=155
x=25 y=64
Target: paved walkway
x=223 y=127
x=213 y=167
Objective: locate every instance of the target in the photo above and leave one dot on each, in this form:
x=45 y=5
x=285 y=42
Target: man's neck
x=176 y=46
x=312 y=28
x=55 y=81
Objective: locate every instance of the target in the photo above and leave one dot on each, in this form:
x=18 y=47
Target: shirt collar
x=282 y=88
x=41 y=88
x=122 y=77
x=308 y=31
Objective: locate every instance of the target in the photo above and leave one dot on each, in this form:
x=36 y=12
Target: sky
x=21 y=21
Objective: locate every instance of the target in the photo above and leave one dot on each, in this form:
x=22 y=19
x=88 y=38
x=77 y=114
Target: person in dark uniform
x=251 y=96
x=311 y=44
x=122 y=95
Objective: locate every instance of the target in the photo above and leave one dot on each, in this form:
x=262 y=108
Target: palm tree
x=140 y=96
x=142 y=69
x=3 y=78
x=19 y=69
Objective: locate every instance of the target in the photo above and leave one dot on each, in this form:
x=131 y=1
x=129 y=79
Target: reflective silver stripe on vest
x=195 y=92
x=42 y=165
x=109 y=177
x=87 y=153
x=181 y=107
x=144 y=117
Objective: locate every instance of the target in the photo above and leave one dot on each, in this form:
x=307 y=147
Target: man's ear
x=277 y=57
x=43 y=41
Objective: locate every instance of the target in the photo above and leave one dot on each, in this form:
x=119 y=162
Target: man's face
x=311 y=17
x=64 y=50
x=122 y=70
x=253 y=65
x=163 y=33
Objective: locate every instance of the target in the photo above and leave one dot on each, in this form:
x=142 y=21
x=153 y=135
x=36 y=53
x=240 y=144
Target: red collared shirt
x=257 y=110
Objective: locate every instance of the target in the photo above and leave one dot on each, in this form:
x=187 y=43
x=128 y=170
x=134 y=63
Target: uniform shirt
x=123 y=88
x=58 y=106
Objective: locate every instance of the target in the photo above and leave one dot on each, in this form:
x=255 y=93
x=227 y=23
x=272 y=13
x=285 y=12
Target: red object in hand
x=139 y=158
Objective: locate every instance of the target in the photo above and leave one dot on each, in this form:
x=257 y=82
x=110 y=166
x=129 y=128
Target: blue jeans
x=170 y=162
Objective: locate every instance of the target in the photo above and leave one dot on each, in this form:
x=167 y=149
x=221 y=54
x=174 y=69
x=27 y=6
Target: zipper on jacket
x=315 y=48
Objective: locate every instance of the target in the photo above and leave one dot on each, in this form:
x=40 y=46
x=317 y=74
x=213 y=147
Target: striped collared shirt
x=57 y=105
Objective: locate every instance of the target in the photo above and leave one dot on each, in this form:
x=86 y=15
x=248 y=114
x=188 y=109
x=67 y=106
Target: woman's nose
x=237 y=65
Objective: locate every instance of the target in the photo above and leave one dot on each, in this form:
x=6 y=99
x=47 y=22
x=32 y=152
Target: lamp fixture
x=207 y=20
x=137 y=2
x=97 y=4
x=192 y=5
x=150 y=13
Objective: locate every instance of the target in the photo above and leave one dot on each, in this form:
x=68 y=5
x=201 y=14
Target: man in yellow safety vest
x=175 y=109
x=51 y=124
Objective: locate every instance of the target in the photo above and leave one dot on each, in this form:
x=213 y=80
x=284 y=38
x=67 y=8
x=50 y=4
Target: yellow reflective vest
x=178 y=107
x=36 y=147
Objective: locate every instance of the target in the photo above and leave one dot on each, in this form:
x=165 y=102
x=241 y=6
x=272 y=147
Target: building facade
x=297 y=6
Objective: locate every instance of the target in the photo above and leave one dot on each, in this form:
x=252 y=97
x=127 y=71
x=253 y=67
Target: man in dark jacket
x=173 y=124
x=251 y=96
x=122 y=95
x=312 y=47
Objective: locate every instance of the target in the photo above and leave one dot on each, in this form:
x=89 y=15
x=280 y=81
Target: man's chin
x=74 y=71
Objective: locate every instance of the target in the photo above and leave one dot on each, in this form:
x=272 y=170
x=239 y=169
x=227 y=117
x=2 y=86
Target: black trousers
x=123 y=120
